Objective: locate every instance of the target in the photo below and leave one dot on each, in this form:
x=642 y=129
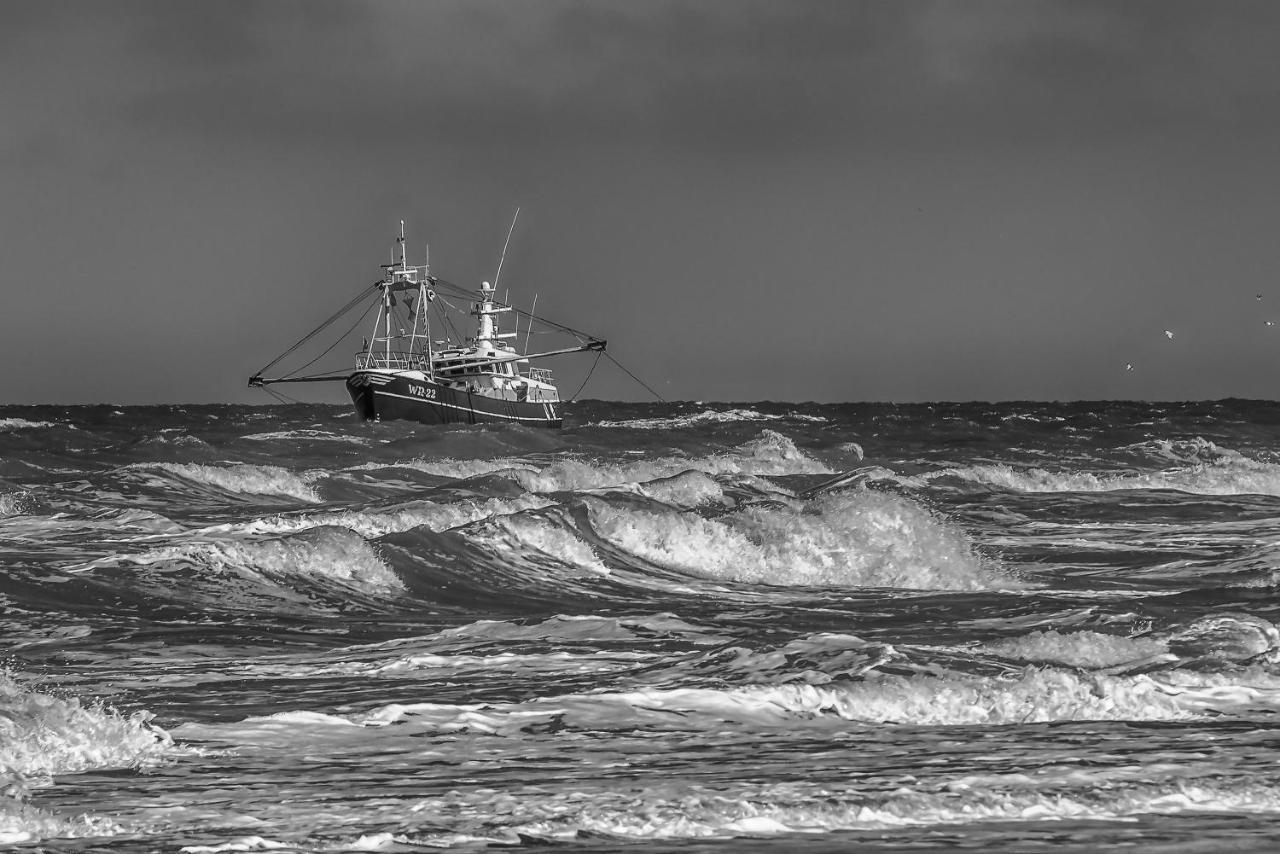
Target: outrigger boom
x=403 y=372
x=595 y=345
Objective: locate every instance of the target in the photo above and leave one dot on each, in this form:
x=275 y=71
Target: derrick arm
x=258 y=380
x=595 y=344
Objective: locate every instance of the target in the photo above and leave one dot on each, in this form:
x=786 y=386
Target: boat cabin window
x=469 y=366
x=446 y=368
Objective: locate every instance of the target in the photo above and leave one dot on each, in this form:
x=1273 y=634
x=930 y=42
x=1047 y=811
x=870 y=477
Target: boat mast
x=528 y=332
x=389 y=298
x=487 y=334
x=424 y=309
x=501 y=260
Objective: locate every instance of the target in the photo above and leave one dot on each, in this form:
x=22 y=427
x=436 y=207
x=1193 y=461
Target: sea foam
x=689 y=810
x=324 y=554
x=14 y=503
x=770 y=453
x=1034 y=695
x=553 y=540
x=241 y=478
x=707 y=416
x=21 y=823
x=1084 y=649
x=615 y=814
x=10 y=425
x=853 y=539
x=41 y=734
x=376 y=522
x=1231 y=475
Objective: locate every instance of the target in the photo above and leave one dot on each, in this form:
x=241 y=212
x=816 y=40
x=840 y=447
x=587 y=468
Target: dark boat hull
x=382 y=397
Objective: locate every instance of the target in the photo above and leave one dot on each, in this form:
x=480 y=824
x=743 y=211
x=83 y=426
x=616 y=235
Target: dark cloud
x=899 y=165
x=709 y=75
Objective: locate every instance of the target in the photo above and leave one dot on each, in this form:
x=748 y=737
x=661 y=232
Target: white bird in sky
x=1128 y=366
x=1269 y=322
x=1168 y=334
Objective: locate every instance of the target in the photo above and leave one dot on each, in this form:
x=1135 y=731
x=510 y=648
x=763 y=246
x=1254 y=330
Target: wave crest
x=770 y=453
x=1084 y=649
x=240 y=478
x=10 y=425
x=377 y=522
x=42 y=734
x=860 y=539
x=1230 y=475
x=326 y=554
x=707 y=416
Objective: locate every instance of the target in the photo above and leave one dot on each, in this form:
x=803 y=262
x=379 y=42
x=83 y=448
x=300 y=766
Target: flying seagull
x=1168 y=334
x=1270 y=322
x=1128 y=366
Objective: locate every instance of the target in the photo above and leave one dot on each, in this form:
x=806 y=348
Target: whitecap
x=707 y=416
x=1231 y=475
x=855 y=539
x=10 y=425
x=41 y=734
x=333 y=554
x=241 y=478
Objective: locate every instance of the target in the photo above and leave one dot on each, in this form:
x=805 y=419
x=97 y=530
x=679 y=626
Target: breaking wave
x=766 y=810
x=562 y=628
x=450 y=468
x=305 y=435
x=770 y=453
x=707 y=416
x=14 y=503
x=332 y=555
x=860 y=539
x=21 y=823
x=239 y=478
x=41 y=735
x=10 y=425
x=377 y=522
x=1230 y=475
x=1084 y=649
x=1179 y=451
x=1032 y=695
x=553 y=540
x=682 y=810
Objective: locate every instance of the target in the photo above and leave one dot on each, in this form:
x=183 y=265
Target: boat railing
x=394 y=361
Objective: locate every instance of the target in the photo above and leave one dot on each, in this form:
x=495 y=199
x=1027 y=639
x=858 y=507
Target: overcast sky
x=834 y=201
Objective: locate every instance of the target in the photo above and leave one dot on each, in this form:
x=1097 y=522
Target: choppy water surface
x=1027 y=627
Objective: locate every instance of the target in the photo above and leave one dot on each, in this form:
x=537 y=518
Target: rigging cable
x=280 y=396
x=633 y=376
x=448 y=322
x=572 y=399
x=355 y=301
x=339 y=340
x=462 y=293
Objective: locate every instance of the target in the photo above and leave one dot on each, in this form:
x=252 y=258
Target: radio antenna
x=504 y=249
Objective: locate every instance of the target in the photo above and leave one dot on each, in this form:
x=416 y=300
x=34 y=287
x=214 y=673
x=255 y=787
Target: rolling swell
x=546 y=533
x=1027 y=623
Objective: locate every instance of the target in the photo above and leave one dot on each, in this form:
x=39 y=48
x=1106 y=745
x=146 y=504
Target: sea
x=685 y=627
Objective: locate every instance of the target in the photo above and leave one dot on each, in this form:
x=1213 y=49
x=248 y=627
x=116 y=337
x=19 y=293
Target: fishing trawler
x=415 y=366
